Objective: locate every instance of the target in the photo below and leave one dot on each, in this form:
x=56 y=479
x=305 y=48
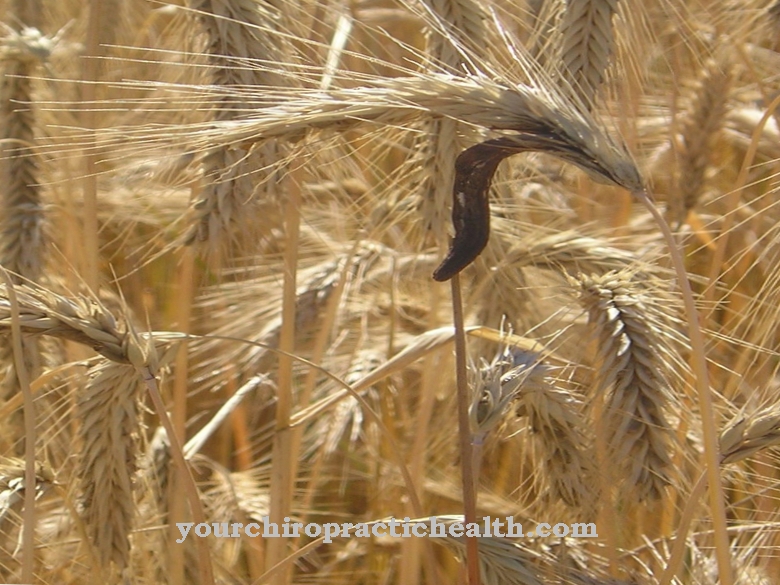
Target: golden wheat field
x=348 y=261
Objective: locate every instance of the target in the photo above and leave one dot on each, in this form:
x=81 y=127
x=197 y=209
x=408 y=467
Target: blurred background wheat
x=238 y=206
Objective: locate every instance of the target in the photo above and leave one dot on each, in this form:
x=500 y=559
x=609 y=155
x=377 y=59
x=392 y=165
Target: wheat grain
x=632 y=368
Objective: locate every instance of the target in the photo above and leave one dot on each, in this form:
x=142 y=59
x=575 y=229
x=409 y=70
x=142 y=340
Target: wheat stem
x=176 y=505
x=464 y=432
x=282 y=480
x=678 y=547
x=90 y=249
x=188 y=483
x=709 y=434
x=28 y=536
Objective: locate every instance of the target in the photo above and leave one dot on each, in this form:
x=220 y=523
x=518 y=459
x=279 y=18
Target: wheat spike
x=12 y=486
x=21 y=207
x=463 y=21
x=109 y=413
x=318 y=283
x=554 y=416
x=109 y=430
x=235 y=31
x=700 y=129
x=475 y=99
x=22 y=221
x=495 y=386
x=630 y=330
x=750 y=434
x=570 y=251
x=586 y=45
x=80 y=319
x=107 y=408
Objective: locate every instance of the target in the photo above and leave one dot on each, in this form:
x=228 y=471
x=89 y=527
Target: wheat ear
x=700 y=128
x=586 y=45
x=21 y=234
x=236 y=30
x=80 y=319
x=107 y=409
x=554 y=416
x=22 y=216
x=109 y=430
x=463 y=21
x=630 y=330
x=293 y=113
x=570 y=252
x=318 y=284
x=749 y=434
